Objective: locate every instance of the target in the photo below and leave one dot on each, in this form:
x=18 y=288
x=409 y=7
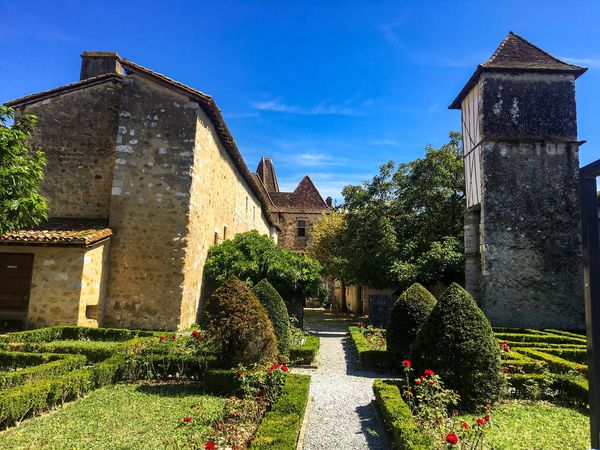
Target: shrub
x=276 y=311
x=235 y=316
x=305 y=352
x=408 y=314
x=457 y=341
x=369 y=357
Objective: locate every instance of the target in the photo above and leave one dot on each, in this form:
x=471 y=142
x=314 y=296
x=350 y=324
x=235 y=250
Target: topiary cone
x=457 y=342
x=235 y=316
x=277 y=312
x=408 y=314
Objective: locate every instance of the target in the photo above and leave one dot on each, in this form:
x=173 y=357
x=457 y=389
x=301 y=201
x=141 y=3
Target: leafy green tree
x=405 y=225
x=329 y=245
x=21 y=173
x=253 y=257
x=277 y=312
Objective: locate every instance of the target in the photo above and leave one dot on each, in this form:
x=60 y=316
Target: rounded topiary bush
x=457 y=342
x=235 y=316
x=408 y=314
x=277 y=313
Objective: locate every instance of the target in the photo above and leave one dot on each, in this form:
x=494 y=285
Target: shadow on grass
x=171 y=389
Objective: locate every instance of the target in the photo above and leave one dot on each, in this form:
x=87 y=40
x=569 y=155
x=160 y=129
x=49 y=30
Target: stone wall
x=64 y=281
x=76 y=131
x=531 y=235
x=94 y=279
x=288 y=221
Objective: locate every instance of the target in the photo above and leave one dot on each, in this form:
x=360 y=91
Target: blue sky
x=331 y=89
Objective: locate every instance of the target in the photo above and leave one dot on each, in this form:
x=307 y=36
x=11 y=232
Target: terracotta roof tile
x=517 y=54
x=266 y=172
x=60 y=231
x=305 y=197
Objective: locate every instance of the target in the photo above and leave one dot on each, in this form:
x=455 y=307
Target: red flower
x=187 y=419
x=580 y=369
x=195 y=333
x=293 y=314
x=418 y=382
x=428 y=372
x=239 y=373
x=271 y=369
x=486 y=418
x=505 y=370
x=481 y=422
x=284 y=368
x=488 y=407
x=422 y=377
x=505 y=343
x=173 y=337
x=162 y=339
x=465 y=425
x=406 y=363
x=431 y=382
x=210 y=445
x=452 y=439
x=506 y=349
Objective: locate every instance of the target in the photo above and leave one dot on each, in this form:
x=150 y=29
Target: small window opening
x=301 y=228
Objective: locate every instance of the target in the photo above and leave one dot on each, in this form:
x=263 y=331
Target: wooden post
x=591 y=273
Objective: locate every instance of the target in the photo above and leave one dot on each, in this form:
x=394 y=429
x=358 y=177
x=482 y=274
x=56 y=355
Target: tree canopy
x=21 y=173
x=253 y=257
x=405 y=225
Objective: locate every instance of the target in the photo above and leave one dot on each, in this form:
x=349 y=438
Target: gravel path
x=342 y=412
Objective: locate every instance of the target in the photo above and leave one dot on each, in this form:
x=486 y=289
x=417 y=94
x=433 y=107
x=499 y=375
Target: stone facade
x=288 y=222
x=523 y=258
x=154 y=158
x=68 y=284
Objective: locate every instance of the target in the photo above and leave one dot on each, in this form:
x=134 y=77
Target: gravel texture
x=342 y=412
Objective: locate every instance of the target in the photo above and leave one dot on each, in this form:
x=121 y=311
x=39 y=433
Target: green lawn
x=142 y=416
x=537 y=426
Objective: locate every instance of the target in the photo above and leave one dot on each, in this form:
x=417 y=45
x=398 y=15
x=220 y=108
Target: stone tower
x=522 y=224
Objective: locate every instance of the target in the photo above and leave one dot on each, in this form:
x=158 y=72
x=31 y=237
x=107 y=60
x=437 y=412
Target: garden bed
x=371 y=355
x=304 y=352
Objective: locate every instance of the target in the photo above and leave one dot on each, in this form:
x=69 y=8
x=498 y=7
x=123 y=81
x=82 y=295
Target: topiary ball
x=277 y=313
x=235 y=316
x=457 y=342
x=408 y=314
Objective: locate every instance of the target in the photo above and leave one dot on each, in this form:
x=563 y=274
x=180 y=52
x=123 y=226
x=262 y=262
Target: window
x=224 y=232
x=254 y=213
x=246 y=205
x=301 y=228
x=216 y=241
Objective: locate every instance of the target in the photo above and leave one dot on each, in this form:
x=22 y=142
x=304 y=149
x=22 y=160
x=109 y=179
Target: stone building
x=522 y=226
x=143 y=176
x=296 y=211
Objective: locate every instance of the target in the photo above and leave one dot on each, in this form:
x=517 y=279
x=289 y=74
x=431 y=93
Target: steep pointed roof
x=305 y=197
x=266 y=172
x=517 y=54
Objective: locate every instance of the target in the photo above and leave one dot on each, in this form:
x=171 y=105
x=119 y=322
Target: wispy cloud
x=594 y=62
x=325 y=107
x=385 y=142
x=240 y=115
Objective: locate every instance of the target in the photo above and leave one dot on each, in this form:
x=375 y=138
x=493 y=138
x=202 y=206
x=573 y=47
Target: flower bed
x=304 y=351
x=371 y=355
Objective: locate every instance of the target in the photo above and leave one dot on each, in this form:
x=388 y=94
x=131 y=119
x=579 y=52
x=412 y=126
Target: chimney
x=329 y=201
x=99 y=63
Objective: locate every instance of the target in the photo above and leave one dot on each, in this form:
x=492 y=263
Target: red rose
x=210 y=445
x=465 y=425
x=271 y=369
x=428 y=372
x=162 y=338
x=452 y=439
x=580 y=369
x=505 y=343
x=418 y=382
x=284 y=368
x=187 y=419
x=239 y=373
x=293 y=315
x=506 y=349
x=488 y=407
x=195 y=333
x=481 y=422
x=505 y=370
x=422 y=377
x=406 y=363
x=431 y=382
x=173 y=337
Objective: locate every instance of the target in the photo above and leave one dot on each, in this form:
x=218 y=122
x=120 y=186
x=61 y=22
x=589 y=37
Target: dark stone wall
x=529 y=106
x=380 y=308
x=531 y=235
x=77 y=132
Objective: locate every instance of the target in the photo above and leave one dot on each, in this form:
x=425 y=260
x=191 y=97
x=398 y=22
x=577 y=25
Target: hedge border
x=555 y=363
x=58 y=333
x=544 y=337
x=398 y=418
x=280 y=427
x=56 y=364
x=306 y=353
x=571 y=391
x=369 y=358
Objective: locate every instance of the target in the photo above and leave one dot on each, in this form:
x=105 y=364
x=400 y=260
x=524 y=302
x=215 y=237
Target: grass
x=142 y=416
x=306 y=352
x=540 y=425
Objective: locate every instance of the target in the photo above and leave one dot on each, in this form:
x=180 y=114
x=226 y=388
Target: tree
x=328 y=244
x=253 y=257
x=277 y=312
x=21 y=173
x=405 y=225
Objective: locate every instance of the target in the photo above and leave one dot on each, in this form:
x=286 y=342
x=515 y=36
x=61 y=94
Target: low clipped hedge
x=398 y=418
x=47 y=365
x=539 y=337
x=555 y=363
x=280 y=427
x=573 y=391
x=306 y=353
x=65 y=333
x=369 y=358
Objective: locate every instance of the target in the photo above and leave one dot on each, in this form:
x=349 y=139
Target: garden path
x=342 y=410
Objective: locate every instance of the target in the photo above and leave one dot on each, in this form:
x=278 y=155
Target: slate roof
x=517 y=54
x=266 y=172
x=305 y=197
x=60 y=231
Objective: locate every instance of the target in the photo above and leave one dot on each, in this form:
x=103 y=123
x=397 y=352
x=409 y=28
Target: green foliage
x=235 y=316
x=408 y=314
x=94 y=351
x=369 y=357
x=54 y=365
x=405 y=225
x=457 y=342
x=329 y=245
x=64 y=333
x=277 y=313
x=398 y=417
x=252 y=257
x=21 y=173
x=280 y=427
x=305 y=351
